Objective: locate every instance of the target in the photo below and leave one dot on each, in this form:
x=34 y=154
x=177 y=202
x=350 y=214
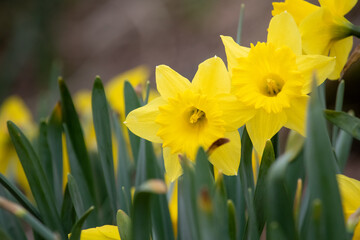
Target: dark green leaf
x=338 y=107
x=76 y=230
x=102 y=127
x=19 y=196
x=321 y=168
x=279 y=207
x=75 y=138
x=123 y=170
x=54 y=138
x=345 y=121
x=245 y=170
x=343 y=148
x=68 y=214
x=203 y=175
x=268 y=158
x=232 y=220
x=141 y=217
x=132 y=102
x=40 y=188
x=75 y=196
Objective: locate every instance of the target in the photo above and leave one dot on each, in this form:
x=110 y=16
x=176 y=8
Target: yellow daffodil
x=106 y=232
x=350 y=195
x=189 y=115
x=324 y=30
x=14 y=109
x=274 y=79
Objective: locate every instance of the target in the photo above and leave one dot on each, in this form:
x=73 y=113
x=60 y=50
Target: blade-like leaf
x=132 y=102
x=76 y=230
x=43 y=194
x=124 y=225
x=338 y=107
x=68 y=214
x=102 y=127
x=123 y=170
x=19 y=196
x=75 y=196
x=345 y=121
x=321 y=168
x=75 y=137
x=54 y=138
x=268 y=158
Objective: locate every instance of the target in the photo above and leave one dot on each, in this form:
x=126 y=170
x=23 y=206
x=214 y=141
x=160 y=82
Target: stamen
x=196 y=115
x=273 y=85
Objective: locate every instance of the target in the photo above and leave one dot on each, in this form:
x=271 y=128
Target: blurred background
x=79 y=39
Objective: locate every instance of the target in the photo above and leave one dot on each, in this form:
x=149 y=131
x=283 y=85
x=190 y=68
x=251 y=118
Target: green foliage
x=210 y=205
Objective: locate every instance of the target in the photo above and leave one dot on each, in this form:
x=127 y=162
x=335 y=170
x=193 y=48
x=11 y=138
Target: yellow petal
x=341 y=50
x=212 y=77
x=141 y=121
x=226 y=158
x=170 y=83
x=283 y=31
x=296 y=114
x=337 y=7
x=350 y=193
x=106 y=232
x=310 y=64
x=233 y=51
x=235 y=114
x=299 y=9
x=172 y=164
x=264 y=126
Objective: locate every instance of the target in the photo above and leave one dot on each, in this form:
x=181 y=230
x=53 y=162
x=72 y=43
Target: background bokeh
x=79 y=39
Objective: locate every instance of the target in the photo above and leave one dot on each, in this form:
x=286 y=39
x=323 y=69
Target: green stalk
x=338 y=107
x=239 y=29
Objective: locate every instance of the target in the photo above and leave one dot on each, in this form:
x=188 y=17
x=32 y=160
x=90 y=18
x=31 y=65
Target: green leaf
x=251 y=231
x=221 y=218
x=124 y=225
x=232 y=220
x=279 y=206
x=345 y=121
x=9 y=222
x=343 y=148
x=275 y=232
x=45 y=155
x=75 y=138
x=245 y=170
x=21 y=213
x=77 y=173
x=43 y=194
x=132 y=102
x=203 y=175
x=4 y=235
x=102 y=127
x=268 y=158
x=188 y=225
x=75 y=195
x=321 y=168
x=68 y=214
x=54 y=139
x=76 y=230
x=141 y=217
x=123 y=170
x=19 y=196
x=235 y=194
x=338 y=107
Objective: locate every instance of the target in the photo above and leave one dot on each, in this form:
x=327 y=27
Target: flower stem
x=355 y=31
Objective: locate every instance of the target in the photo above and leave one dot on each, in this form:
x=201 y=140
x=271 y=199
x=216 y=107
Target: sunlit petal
x=172 y=164
x=141 y=121
x=341 y=49
x=296 y=114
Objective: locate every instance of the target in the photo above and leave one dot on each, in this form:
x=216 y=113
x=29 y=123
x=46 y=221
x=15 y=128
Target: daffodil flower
x=274 y=79
x=191 y=115
x=350 y=196
x=324 y=30
x=106 y=232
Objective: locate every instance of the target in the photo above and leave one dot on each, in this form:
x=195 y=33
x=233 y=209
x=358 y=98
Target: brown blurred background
x=79 y=39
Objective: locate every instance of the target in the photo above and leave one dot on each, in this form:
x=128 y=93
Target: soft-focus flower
x=14 y=109
x=106 y=232
x=189 y=115
x=324 y=30
x=350 y=196
x=274 y=79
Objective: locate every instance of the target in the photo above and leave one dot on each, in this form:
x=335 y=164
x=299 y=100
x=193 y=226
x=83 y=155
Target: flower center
x=273 y=85
x=196 y=115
